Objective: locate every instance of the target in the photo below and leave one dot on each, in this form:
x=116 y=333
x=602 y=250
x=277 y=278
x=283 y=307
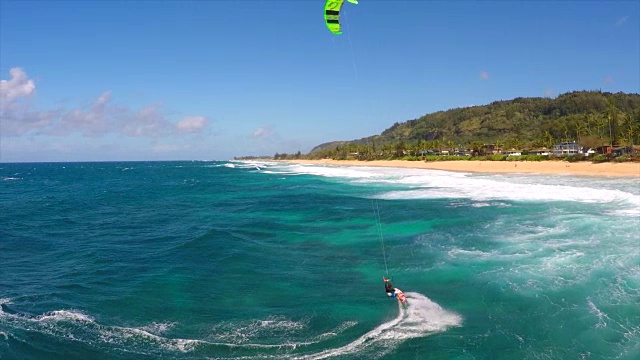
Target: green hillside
x=591 y=118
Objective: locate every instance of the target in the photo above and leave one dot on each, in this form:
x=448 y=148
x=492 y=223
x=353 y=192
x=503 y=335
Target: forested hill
x=588 y=116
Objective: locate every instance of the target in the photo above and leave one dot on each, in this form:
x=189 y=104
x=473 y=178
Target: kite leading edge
x=332 y=14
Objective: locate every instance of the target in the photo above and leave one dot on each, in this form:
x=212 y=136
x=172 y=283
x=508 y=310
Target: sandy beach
x=531 y=167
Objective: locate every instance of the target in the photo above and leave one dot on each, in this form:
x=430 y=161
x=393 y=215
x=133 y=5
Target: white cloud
x=17 y=87
x=148 y=121
x=101 y=118
x=621 y=21
x=18 y=120
x=15 y=115
x=549 y=93
x=192 y=123
x=608 y=80
x=484 y=75
x=102 y=100
x=263 y=132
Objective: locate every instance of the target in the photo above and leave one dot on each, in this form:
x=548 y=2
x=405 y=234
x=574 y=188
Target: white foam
x=250 y=164
x=246 y=335
x=148 y=338
x=158 y=328
x=65 y=315
x=280 y=172
x=602 y=317
x=457 y=252
x=484 y=190
x=329 y=171
x=238 y=334
x=421 y=318
x=85 y=329
x=436 y=184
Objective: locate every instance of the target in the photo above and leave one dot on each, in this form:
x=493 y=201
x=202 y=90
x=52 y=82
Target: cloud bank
x=103 y=117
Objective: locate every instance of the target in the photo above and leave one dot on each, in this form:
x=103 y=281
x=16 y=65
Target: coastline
x=628 y=169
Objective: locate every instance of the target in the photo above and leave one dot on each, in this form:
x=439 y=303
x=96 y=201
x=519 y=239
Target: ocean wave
x=482 y=188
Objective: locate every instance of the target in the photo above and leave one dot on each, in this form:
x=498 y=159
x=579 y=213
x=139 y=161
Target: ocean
x=269 y=260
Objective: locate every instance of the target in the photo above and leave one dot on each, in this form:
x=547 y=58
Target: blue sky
x=209 y=80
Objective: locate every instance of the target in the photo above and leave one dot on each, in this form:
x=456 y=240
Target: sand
x=531 y=167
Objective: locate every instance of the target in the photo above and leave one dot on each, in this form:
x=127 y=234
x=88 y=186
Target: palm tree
x=400 y=147
x=548 y=140
x=612 y=119
x=387 y=149
x=631 y=127
x=450 y=145
x=477 y=147
x=601 y=125
x=422 y=146
x=500 y=144
x=437 y=145
x=580 y=127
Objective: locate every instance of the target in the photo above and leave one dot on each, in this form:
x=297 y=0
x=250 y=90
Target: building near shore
x=566 y=148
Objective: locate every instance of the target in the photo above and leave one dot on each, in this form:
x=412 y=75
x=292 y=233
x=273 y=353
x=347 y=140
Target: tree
x=601 y=126
x=548 y=140
x=631 y=126
x=478 y=148
x=581 y=128
x=612 y=120
x=399 y=148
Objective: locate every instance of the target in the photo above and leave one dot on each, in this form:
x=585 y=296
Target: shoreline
x=550 y=167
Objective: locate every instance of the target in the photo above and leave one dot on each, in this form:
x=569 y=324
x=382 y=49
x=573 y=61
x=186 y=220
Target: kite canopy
x=332 y=14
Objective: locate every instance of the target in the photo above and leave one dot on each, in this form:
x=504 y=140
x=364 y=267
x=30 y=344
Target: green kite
x=332 y=14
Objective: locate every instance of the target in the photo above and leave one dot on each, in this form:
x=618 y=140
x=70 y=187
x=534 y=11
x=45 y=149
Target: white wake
x=422 y=317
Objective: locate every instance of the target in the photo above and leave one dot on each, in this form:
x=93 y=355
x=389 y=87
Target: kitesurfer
x=388 y=287
x=392 y=291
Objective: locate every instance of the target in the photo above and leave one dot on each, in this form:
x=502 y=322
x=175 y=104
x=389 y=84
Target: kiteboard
x=401 y=297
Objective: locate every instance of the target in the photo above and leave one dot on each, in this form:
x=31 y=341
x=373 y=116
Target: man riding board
x=393 y=292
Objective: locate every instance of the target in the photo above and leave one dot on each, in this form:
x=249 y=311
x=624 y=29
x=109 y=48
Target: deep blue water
x=240 y=260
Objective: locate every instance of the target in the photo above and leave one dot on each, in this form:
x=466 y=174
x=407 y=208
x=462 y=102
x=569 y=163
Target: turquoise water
x=240 y=260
